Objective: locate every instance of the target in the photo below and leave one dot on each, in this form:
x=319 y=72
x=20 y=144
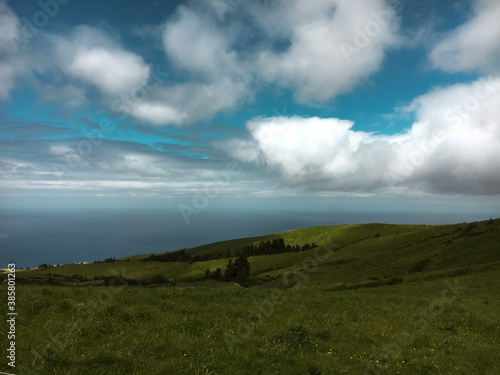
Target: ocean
x=30 y=238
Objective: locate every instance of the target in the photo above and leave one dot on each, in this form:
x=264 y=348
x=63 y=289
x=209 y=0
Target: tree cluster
x=173 y=256
x=239 y=271
x=185 y=256
x=213 y=255
x=275 y=246
x=107 y=260
x=120 y=280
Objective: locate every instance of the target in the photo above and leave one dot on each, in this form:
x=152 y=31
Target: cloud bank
x=453 y=147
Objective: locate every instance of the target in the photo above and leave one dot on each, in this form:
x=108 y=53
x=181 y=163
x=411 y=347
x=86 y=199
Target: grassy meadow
x=374 y=299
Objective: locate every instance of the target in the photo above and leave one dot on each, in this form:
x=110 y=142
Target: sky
x=361 y=105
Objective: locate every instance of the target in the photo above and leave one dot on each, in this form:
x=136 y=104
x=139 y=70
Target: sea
x=29 y=238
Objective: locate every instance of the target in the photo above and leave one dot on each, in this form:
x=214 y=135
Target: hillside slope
x=349 y=256
x=371 y=299
x=369 y=255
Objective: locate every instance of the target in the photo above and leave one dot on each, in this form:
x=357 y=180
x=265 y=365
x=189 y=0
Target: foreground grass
x=408 y=328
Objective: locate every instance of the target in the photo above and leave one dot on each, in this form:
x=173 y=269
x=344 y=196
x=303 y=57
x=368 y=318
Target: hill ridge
x=367 y=255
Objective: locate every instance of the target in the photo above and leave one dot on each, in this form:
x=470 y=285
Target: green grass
x=337 y=314
x=187 y=331
x=347 y=233
x=394 y=253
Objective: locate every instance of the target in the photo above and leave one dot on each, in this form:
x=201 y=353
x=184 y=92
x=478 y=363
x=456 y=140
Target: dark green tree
x=241 y=270
x=238 y=271
x=228 y=274
x=218 y=274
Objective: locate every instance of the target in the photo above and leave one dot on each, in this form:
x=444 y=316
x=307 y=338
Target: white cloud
x=92 y=56
x=183 y=104
x=220 y=74
x=194 y=43
x=453 y=147
x=10 y=63
x=113 y=71
x=218 y=80
x=89 y=56
x=473 y=46
x=333 y=45
x=156 y=113
x=311 y=151
x=314 y=65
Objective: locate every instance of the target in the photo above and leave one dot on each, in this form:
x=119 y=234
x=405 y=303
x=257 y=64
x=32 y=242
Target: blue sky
x=370 y=103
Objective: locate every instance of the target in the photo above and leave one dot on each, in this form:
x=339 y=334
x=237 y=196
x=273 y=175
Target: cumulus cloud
x=92 y=56
x=218 y=79
x=114 y=72
x=453 y=147
x=315 y=152
x=329 y=48
x=128 y=86
x=209 y=52
x=473 y=46
x=330 y=45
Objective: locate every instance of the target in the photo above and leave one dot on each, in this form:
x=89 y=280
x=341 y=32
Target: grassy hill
x=348 y=256
x=372 y=299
